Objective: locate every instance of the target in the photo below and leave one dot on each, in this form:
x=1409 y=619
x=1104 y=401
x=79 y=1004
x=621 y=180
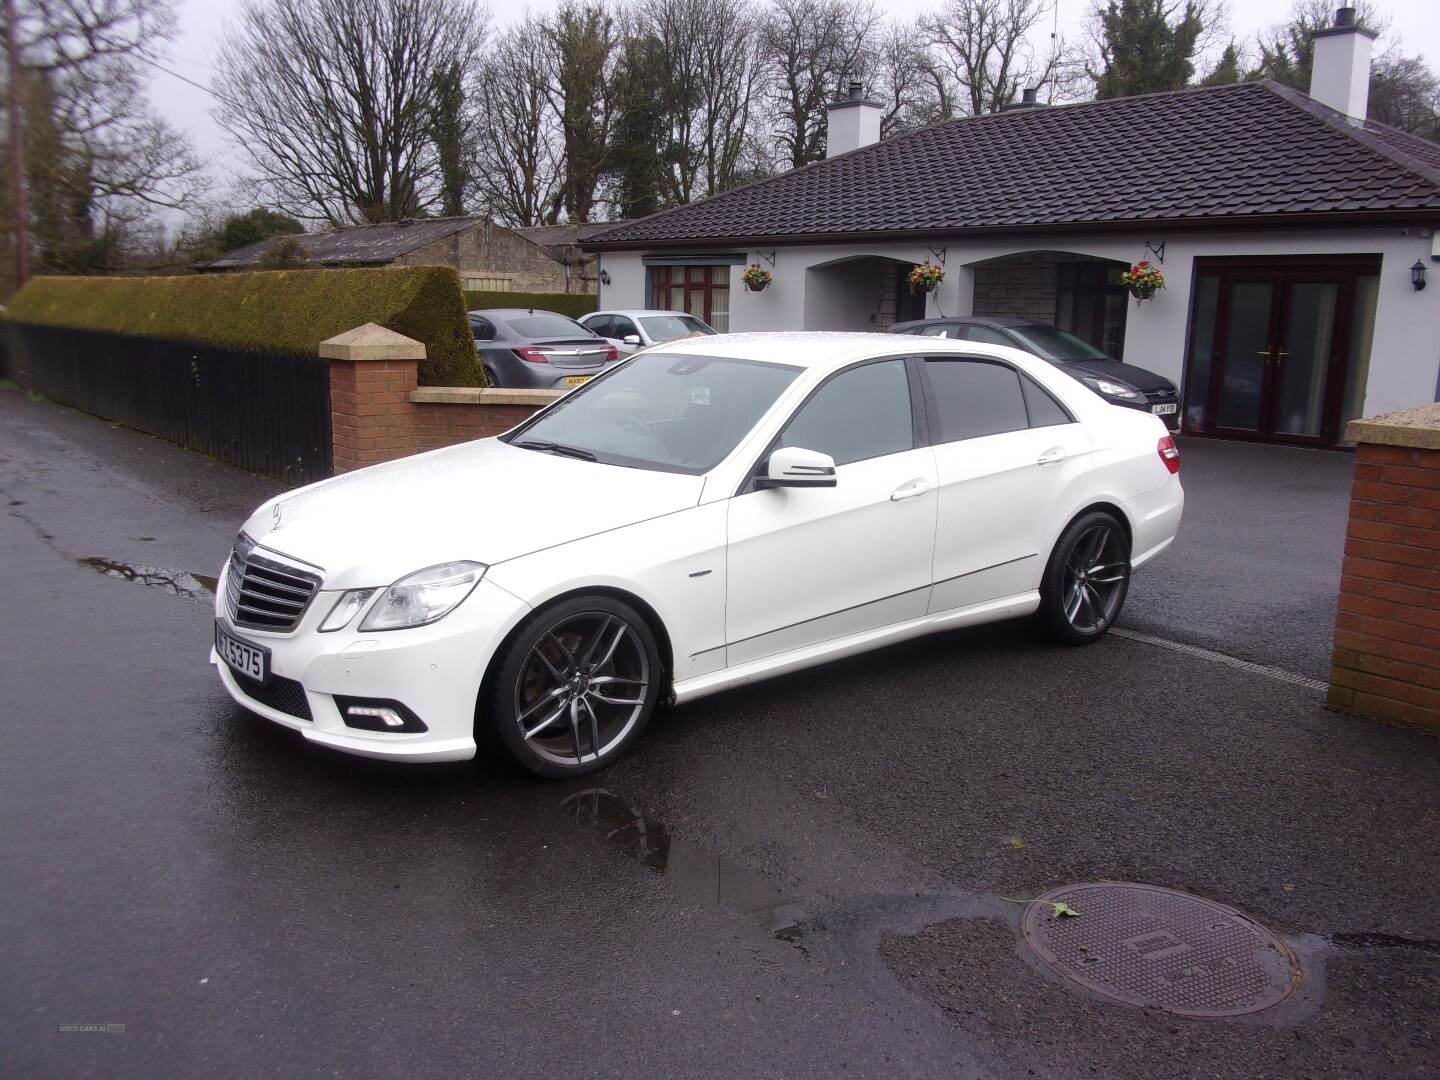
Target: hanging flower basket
x=926 y=277
x=1143 y=280
x=756 y=278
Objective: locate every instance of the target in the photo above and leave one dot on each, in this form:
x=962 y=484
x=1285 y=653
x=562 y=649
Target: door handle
x=1051 y=456
x=910 y=489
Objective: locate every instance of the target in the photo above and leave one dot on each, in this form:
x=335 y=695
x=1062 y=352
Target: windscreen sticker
x=699 y=395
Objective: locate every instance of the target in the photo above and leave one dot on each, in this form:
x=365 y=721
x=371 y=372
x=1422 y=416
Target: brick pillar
x=372 y=374
x=1387 y=632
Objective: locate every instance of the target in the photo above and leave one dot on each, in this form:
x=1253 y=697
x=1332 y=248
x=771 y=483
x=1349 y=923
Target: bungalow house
x=486 y=255
x=1295 y=238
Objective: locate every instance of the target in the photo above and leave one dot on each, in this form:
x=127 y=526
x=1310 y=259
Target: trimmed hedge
x=289 y=311
x=571 y=304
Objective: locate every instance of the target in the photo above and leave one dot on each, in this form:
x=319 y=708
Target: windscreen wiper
x=557 y=448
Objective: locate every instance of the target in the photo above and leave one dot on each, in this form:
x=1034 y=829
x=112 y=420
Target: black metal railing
x=266 y=412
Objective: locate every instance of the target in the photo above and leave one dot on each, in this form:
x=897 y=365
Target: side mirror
x=630 y=339
x=794 y=466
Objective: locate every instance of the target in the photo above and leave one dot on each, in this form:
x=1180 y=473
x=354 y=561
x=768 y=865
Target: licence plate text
x=244 y=658
x=576 y=380
x=1162 y=410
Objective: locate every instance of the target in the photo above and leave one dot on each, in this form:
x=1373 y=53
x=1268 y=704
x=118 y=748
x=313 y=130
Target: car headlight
x=1110 y=389
x=423 y=597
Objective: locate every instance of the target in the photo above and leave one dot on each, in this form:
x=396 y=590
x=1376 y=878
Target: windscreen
x=1056 y=344
x=662 y=411
x=545 y=325
x=669 y=327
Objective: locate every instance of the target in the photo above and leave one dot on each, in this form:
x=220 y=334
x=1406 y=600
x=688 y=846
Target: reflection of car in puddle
x=179 y=582
x=696 y=871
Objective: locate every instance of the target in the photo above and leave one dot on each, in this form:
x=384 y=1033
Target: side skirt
x=1006 y=607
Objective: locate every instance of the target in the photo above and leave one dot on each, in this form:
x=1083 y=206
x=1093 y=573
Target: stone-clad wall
x=490 y=250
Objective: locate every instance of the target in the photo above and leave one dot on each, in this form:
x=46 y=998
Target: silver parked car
x=631 y=331
x=528 y=347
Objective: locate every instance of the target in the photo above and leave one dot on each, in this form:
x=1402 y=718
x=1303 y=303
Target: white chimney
x=1340 y=73
x=852 y=122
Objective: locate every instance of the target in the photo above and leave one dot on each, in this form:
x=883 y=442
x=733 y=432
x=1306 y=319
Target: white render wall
x=1405 y=352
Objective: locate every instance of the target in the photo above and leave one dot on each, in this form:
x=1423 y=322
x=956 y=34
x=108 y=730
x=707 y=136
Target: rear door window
x=975 y=398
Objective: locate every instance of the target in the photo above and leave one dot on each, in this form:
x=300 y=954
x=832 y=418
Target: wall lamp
x=1417 y=275
x=605 y=278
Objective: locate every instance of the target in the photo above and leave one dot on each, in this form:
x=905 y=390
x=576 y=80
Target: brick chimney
x=1340 y=73
x=852 y=122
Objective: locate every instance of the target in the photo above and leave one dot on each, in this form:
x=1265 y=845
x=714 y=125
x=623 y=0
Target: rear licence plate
x=576 y=380
x=1162 y=410
x=243 y=658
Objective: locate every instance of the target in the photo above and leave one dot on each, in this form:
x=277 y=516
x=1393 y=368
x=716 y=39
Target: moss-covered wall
x=571 y=304
x=277 y=310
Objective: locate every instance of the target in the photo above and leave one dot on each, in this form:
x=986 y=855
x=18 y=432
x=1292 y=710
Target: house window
x=702 y=291
x=1090 y=302
x=485 y=283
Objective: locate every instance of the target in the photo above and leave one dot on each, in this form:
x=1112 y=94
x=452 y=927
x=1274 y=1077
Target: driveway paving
x=804 y=878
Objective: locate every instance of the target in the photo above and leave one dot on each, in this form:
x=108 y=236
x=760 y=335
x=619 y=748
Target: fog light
x=378 y=714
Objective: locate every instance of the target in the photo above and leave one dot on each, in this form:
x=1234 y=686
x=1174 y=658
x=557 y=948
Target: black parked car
x=1117 y=382
x=528 y=347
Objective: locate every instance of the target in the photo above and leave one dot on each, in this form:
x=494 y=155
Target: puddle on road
x=178 y=582
x=696 y=871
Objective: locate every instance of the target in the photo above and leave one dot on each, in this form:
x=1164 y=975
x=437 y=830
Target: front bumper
x=434 y=670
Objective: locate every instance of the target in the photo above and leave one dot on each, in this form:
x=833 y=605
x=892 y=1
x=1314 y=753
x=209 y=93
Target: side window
x=975 y=398
x=859 y=414
x=1044 y=410
x=601 y=325
x=482 y=328
x=945 y=330
x=986 y=336
x=620 y=327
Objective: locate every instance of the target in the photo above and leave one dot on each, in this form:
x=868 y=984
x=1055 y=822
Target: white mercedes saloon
x=708 y=513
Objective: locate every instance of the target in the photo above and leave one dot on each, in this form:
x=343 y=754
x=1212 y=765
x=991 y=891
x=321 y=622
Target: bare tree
x=518 y=159
x=901 y=73
x=100 y=160
x=809 y=50
x=981 y=52
x=333 y=101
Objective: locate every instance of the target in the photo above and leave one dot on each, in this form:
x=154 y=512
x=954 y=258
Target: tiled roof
x=565 y=233
x=1248 y=153
x=358 y=245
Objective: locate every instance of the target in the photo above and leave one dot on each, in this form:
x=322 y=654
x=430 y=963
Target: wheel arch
x=642 y=607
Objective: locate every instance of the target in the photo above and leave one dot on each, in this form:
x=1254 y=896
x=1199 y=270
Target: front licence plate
x=576 y=380
x=1162 y=410
x=245 y=659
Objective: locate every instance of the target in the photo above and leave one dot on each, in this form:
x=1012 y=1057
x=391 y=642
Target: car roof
x=637 y=312
x=983 y=320
x=512 y=312
x=828 y=350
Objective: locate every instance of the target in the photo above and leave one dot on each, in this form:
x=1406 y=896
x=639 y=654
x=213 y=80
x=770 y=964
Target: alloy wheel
x=1096 y=574
x=581 y=688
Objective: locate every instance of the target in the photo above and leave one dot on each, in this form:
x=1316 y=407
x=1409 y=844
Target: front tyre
x=1086 y=579
x=576 y=686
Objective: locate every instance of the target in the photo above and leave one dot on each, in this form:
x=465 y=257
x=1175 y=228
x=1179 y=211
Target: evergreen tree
x=1147 y=46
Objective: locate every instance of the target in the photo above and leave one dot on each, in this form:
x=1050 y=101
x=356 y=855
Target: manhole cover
x=1161 y=949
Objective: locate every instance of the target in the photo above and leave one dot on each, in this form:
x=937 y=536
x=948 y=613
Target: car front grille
x=265 y=590
x=282 y=694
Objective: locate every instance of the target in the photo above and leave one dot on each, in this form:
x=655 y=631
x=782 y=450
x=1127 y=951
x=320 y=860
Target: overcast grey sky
x=1415 y=28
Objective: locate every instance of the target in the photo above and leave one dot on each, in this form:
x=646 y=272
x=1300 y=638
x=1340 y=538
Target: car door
x=1007 y=453
x=620 y=328
x=807 y=565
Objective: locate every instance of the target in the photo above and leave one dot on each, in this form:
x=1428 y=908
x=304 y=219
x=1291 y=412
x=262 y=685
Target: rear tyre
x=1086 y=580
x=576 y=686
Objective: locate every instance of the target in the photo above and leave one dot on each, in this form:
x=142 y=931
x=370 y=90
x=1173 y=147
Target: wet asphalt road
x=244 y=903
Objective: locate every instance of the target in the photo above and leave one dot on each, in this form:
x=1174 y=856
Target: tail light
x=1169 y=454
x=612 y=354
x=532 y=354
